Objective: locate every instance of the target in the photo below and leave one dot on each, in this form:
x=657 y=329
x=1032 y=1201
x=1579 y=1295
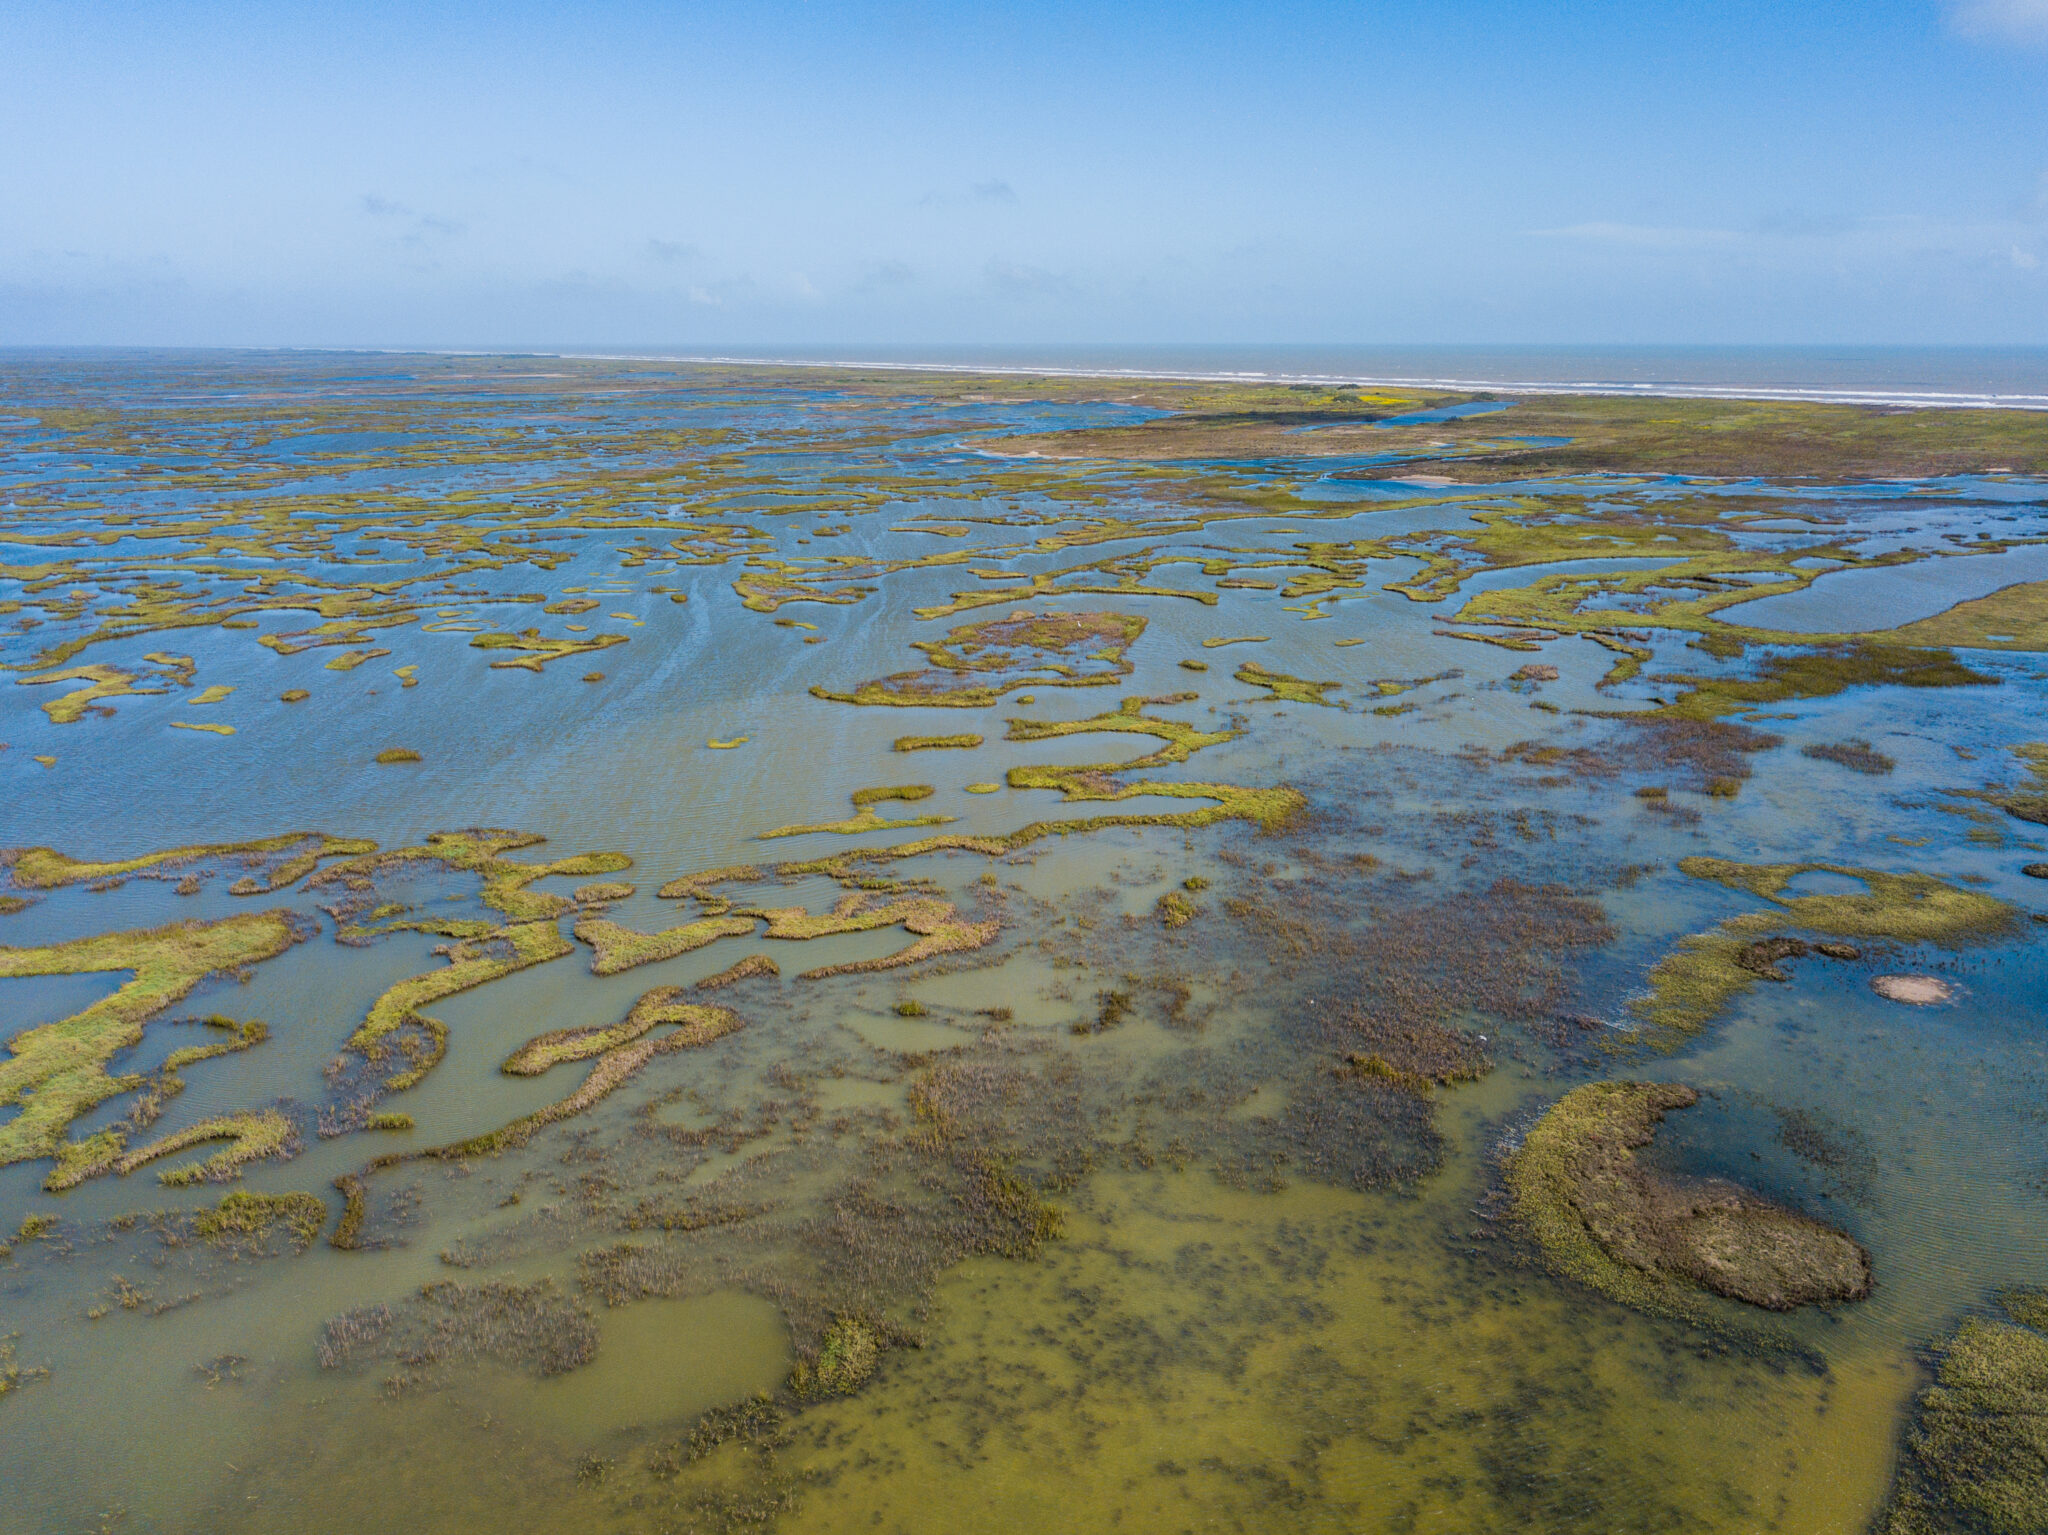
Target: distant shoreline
x=1924 y=399
x=1934 y=394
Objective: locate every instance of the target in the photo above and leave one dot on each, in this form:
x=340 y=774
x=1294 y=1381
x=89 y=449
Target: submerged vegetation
x=2028 y=802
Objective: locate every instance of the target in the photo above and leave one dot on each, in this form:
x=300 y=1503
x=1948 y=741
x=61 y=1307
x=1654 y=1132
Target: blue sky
x=770 y=172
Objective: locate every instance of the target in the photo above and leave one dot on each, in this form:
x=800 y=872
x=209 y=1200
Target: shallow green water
x=1128 y=1245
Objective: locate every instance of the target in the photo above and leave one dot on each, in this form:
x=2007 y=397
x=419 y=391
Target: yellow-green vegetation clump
x=936 y=925
x=101 y=682
x=245 y=1217
x=1181 y=740
x=865 y=817
x=1176 y=910
x=1976 y=1456
x=1656 y=1242
x=1822 y=672
x=536 y=650
x=472 y=962
x=13 y=1373
x=697 y=887
x=601 y=892
x=932 y=922
x=849 y=1353
x=935 y=743
x=480 y=952
x=696 y=1024
x=1269 y=809
x=56 y=1072
x=977 y=663
x=293 y=696
x=281 y=860
x=481 y=851
x=389 y=1119
x=620 y=1051
x=1708 y=970
x=618 y=948
x=251 y=1137
x=753 y=967
x=1285 y=688
x=396 y=754
x=2027 y=1305
x=2011 y=618
x=166 y=1082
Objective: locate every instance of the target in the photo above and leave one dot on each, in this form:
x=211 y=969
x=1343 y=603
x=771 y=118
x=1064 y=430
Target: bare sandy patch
x=1920 y=990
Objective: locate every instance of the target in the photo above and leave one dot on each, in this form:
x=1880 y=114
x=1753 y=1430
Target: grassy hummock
x=849 y=1354
x=1654 y=1242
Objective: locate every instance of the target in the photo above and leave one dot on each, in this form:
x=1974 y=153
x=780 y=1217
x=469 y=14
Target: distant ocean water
x=2008 y=377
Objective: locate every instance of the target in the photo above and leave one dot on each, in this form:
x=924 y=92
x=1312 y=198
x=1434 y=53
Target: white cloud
x=2020 y=21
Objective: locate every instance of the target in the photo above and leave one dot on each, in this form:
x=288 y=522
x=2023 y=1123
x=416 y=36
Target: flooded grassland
x=631 y=947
